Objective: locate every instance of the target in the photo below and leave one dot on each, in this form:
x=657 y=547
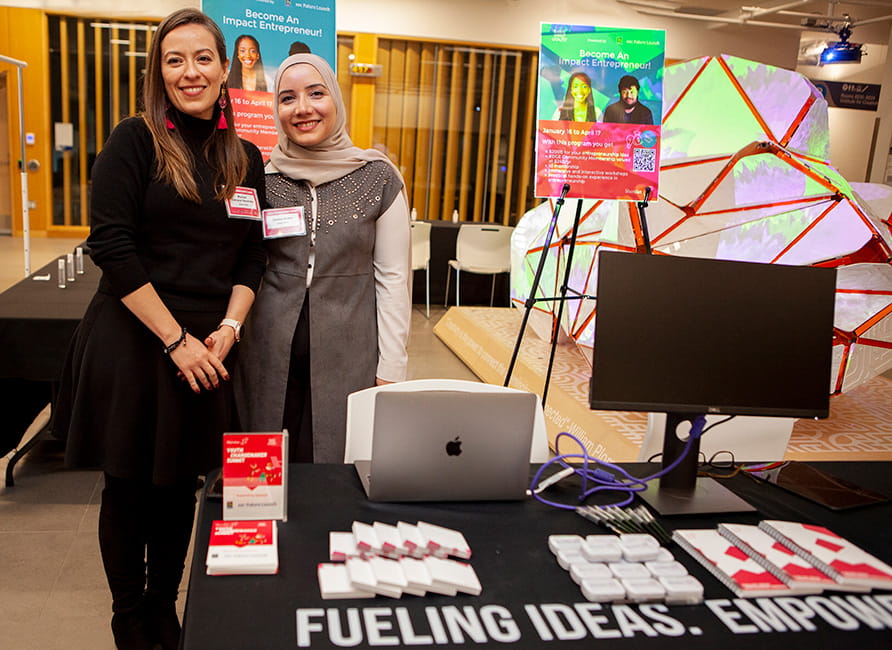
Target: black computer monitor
x=690 y=337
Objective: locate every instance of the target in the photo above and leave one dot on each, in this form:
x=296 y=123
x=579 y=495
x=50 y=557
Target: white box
x=603 y=591
x=418 y=578
x=366 y=538
x=341 y=545
x=389 y=576
x=440 y=539
x=413 y=542
x=335 y=584
x=602 y=548
x=589 y=571
x=390 y=540
x=557 y=542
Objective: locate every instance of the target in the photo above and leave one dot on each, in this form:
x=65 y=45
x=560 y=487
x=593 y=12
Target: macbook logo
x=453 y=447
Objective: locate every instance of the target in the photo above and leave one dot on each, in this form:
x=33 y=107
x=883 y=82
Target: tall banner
x=600 y=107
x=260 y=34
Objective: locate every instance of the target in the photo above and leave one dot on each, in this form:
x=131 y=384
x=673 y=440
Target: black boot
x=172 y=513
x=122 y=541
x=129 y=630
x=162 y=621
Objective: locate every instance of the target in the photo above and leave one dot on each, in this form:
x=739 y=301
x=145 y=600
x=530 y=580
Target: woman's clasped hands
x=201 y=365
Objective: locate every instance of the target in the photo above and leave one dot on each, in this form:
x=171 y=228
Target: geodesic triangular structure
x=745 y=175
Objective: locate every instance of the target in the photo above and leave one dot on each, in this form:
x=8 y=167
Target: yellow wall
x=23 y=36
x=362 y=118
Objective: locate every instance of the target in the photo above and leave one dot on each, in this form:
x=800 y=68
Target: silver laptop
x=449 y=446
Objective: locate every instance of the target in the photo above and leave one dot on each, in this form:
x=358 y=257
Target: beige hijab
x=334 y=157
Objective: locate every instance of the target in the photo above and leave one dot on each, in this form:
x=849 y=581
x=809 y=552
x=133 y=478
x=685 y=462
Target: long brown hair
x=223 y=149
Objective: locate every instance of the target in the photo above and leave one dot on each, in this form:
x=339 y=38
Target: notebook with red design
x=797 y=572
x=730 y=564
x=255 y=476
x=845 y=562
x=243 y=547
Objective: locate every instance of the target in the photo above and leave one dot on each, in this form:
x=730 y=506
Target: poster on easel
x=599 y=110
x=259 y=35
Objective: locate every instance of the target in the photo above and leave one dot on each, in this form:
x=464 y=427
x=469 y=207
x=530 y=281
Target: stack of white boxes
x=631 y=568
x=387 y=560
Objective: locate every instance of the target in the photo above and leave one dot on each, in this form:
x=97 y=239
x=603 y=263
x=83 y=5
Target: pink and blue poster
x=259 y=35
x=600 y=108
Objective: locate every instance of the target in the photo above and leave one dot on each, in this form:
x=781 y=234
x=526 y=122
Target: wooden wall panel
x=495 y=157
x=484 y=145
x=438 y=130
x=453 y=136
x=424 y=135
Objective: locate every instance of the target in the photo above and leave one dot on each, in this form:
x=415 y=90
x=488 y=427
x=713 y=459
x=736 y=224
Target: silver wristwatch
x=235 y=325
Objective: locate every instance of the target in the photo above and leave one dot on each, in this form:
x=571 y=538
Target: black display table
x=528 y=601
x=37 y=320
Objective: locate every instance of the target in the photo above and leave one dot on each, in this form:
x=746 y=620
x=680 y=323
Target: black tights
x=144 y=533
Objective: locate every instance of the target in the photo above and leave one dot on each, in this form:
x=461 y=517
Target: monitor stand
x=681 y=492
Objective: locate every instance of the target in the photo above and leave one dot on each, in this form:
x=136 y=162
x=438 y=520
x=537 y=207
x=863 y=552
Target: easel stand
x=642 y=219
x=532 y=299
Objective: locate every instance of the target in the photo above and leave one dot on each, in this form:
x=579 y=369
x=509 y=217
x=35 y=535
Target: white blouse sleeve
x=392 y=252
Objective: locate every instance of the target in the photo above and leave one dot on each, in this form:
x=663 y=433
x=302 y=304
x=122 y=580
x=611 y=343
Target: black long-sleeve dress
x=121 y=403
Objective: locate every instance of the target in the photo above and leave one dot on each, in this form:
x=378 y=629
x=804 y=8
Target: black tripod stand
x=564 y=288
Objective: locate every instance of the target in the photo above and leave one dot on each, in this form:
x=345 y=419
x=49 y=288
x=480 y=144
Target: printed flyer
x=600 y=107
x=255 y=476
x=259 y=35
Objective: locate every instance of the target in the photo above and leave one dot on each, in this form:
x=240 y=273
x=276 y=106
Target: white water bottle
x=414 y=215
x=455 y=216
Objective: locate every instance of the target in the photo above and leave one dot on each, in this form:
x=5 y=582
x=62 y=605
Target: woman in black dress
x=146 y=394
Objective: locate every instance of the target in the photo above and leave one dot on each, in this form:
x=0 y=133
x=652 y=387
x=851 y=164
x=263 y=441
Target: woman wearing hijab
x=333 y=314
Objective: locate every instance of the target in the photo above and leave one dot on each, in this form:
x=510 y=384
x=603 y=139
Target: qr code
x=644 y=160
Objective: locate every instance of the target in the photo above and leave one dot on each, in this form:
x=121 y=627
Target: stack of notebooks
x=381 y=559
x=243 y=547
x=779 y=558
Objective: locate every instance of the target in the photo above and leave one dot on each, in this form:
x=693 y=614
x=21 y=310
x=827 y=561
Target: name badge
x=244 y=204
x=284 y=222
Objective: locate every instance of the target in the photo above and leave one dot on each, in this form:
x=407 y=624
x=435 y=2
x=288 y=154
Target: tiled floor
x=52 y=589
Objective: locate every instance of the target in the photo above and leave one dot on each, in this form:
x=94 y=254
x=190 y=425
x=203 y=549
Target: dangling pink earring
x=167 y=121
x=222 y=102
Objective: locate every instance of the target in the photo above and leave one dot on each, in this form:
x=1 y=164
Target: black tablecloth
x=37 y=321
x=526 y=597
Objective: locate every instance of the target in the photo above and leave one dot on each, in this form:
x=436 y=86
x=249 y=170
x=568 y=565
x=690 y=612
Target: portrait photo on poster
x=258 y=38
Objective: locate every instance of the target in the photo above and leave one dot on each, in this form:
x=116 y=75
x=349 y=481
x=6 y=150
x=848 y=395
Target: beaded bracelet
x=180 y=341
